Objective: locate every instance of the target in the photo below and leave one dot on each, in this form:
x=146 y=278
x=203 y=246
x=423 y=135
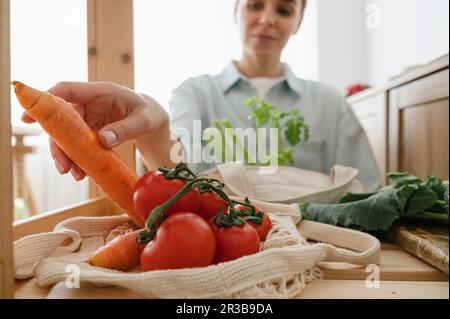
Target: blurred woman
x=120 y=114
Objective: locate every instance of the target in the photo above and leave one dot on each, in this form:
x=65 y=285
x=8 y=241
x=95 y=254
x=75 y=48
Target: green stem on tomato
x=250 y=213
x=233 y=218
x=159 y=210
x=247 y=204
x=221 y=193
x=178 y=171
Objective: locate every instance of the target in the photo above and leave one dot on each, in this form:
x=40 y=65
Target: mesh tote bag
x=286 y=184
x=287 y=261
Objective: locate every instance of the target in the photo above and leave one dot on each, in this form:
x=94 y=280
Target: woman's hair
x=304 y=3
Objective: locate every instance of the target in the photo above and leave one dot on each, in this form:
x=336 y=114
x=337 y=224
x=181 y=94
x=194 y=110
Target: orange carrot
x=122 y=253
x=68 y=129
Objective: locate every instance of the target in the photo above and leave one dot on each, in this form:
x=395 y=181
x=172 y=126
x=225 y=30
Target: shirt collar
x=294 y=83
x=231 y=76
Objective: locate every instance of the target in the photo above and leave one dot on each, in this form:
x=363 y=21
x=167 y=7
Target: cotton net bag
x=288 y=260
x=286 y=184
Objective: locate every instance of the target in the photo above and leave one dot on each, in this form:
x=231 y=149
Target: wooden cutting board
x=427 y=242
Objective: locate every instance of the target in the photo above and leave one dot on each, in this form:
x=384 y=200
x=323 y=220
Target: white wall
x=335 y=44
x=302 y=50
x=410 y=32
x=342 y=49
x=370 y=41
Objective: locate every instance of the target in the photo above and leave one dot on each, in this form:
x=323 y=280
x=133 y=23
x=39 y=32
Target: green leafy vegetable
x=400 y=179
x=420 y=200
x=353 y=197
x=408 y=197
x=375 y=212
x=289 y=124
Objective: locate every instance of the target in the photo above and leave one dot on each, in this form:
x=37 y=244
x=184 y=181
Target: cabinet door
x=372 y=113
x=419 y=126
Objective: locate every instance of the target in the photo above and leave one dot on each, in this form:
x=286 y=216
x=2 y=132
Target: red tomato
x=234 y=242
x=210 y=205
x=184 y=240
x=262 y=229
x=153 y=189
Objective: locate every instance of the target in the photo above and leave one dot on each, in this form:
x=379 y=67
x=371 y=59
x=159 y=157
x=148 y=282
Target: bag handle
x=65 y=239
x=358 y=248
x=234 y=175
x=30 y=250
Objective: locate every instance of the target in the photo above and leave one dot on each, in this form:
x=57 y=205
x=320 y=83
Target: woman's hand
x=117 y=113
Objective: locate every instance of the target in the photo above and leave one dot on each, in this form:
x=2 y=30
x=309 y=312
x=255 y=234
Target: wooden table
x=401 y=276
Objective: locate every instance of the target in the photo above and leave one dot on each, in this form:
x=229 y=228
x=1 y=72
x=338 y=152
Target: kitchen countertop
x=401 y=276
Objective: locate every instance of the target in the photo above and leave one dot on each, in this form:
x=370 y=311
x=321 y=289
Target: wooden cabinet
x=419 y=126
x=372 y=113
x=407 y=121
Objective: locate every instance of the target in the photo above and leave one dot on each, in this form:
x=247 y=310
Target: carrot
x=68 y=129
x=122 y=253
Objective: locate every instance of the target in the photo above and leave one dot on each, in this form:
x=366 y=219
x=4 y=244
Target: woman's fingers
x=80 y=92
x=67 y=91
x=77 y=173
x=135 y=124
x=26 y=118
x=64 y=164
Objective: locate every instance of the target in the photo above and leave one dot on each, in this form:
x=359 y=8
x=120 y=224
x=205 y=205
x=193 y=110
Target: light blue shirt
x=336 y=136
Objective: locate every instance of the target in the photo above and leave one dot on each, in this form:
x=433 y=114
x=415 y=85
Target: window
x=48 y=44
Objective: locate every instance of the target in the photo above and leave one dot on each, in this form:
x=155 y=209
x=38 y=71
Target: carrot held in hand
x=122 y=253
x=72 y=134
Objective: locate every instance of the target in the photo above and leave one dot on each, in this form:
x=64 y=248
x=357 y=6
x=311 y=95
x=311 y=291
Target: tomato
x=210 y=205
x=233 y=242
x=183 y=240
x=153 y=189
x=263 y=228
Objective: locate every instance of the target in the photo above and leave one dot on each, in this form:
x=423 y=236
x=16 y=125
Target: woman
x=120 y=114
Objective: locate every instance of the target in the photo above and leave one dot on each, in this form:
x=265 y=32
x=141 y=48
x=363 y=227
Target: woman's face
x=266 y=25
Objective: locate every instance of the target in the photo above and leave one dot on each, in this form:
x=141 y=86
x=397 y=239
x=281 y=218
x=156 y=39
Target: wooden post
x=6 y=181
x=111 y=55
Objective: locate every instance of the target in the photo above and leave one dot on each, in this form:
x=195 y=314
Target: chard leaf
x=376 y=212
x=402 y=178
x=420 y=200
x=446 y=200
x=440 y=207
x=403 y=194
x=353 y=197
x=437 y=186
